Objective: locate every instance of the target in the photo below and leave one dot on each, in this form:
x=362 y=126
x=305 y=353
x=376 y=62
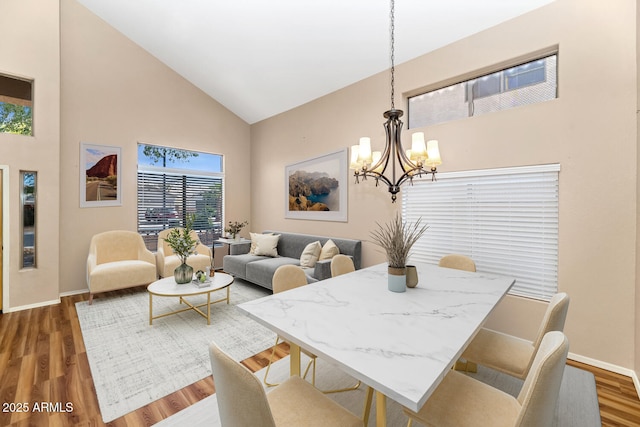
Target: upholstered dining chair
x=288 y=277
x=457 y=261
x=513 y=355
x=462 y=401
x=243 y=402
x=341 y=264
x=167 y=261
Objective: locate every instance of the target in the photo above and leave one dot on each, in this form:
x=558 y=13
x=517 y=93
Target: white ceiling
x=259 y=58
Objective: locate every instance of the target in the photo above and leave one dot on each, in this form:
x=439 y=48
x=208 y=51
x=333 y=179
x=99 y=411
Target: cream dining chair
x=341 y=264
x=288 y=277
x=513 y=355
x=457 y=261
x=462 y=401
x=243 y=402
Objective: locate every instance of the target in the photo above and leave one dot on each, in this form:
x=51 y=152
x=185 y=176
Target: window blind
x=505 y=219
x=165 y=200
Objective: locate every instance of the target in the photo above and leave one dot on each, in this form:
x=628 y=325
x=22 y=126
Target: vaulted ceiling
x=259 y=58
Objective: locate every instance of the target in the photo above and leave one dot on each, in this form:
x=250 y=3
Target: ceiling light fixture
x=367 y=163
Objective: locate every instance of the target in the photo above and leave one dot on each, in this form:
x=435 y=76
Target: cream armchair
x=167 y=261
x=117 y=260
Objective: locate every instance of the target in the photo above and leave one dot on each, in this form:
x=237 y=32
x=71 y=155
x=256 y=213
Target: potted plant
x=235 y=227
x=397 y=237
x=183 y=245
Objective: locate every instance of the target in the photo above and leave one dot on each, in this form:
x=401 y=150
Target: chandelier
x=410 y=163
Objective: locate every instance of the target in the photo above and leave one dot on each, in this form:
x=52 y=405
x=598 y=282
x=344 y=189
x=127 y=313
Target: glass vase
x=183 y=274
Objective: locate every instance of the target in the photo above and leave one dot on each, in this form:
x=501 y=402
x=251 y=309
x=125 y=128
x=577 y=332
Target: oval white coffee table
x=168 y=287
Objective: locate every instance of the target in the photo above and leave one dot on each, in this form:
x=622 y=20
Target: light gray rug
x=134 y=364
x=577 y=404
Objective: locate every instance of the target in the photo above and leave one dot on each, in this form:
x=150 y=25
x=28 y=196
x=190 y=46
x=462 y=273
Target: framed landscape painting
x=100 y=181
x=316 y=189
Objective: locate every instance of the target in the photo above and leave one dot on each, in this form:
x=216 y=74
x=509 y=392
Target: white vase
x=397 y=279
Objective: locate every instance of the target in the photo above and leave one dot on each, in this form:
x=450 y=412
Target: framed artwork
x=100 y=181
x=316 y=189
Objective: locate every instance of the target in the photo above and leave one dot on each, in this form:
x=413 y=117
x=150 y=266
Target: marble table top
x=401 y=344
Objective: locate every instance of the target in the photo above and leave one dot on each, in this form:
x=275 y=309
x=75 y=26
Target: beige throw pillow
x=310 y=254
x=254 y=241
x=267 y=245
x=329 y=250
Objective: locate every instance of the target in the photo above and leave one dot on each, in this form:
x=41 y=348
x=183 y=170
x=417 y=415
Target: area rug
x=134 y=364
x=577 y=403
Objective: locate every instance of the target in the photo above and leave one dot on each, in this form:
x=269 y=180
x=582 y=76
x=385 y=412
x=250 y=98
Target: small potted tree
x=183 y=245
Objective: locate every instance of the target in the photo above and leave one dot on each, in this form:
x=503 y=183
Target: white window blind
x=505 y=219
x=165 y=200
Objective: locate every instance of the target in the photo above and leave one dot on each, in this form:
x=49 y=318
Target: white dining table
x=400 y=344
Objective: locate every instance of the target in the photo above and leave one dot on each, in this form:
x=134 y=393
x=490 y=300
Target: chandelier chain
x=392 y=29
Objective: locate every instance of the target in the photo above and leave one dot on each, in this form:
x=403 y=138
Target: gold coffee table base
x=167 y=287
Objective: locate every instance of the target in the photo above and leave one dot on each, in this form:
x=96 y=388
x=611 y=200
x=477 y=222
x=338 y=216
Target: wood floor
x=45 y=378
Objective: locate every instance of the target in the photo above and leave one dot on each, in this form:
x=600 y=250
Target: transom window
x=528 y=83
x=506 y=220
x=174 y=184
x=16 y=105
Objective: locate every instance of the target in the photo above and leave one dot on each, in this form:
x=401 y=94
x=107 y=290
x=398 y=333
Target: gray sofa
x=260 y=269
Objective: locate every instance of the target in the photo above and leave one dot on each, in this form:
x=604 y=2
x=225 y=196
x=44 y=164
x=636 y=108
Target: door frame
x=5 y=250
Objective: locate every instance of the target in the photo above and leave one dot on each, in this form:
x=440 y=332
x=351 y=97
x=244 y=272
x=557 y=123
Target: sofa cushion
x=310 y=254
x=261 y=272
x=236 y=265
x=267 y=245
x=329 y=250
x=255 y=237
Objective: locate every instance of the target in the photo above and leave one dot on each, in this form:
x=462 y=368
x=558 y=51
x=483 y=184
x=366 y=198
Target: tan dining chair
x=243 y=401
x=457 y=261
x=462 y=401
x=341 y=264
x=287 y=277
x=512 y=355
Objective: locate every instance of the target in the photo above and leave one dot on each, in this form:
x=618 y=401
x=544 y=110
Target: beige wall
x=114 y=93
x=111 y=92
x=590 y=130
x=30 y=49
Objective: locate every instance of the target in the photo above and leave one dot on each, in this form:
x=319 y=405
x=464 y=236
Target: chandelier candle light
x=367 y=163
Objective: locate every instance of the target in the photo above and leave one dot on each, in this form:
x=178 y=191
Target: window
x=524 y=84
x=173 y=184
x=505 y=219
x=28 y=212
x=16 y=104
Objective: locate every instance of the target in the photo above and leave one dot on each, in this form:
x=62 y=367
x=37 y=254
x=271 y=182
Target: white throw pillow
x=310 y=254
x=254 y=241
x=267 y=245
x=329 y=250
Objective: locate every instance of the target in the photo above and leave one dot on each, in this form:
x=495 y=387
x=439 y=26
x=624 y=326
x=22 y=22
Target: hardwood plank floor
x=45 y=378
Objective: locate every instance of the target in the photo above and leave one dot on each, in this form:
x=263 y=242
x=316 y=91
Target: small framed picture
x=100 y=182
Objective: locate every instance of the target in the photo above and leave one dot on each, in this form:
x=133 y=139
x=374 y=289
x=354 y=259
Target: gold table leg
x=150 y=308
x=381 y=410
x=294 y=359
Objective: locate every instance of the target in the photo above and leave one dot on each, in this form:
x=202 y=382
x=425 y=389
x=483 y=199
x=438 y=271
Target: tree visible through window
x=173 y=184
x=16 y=104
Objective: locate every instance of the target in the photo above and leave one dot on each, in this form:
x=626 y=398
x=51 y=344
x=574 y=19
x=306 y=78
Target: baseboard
x=29 y=306
x=45 y=303
x=608 y=367
x=70 y=293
